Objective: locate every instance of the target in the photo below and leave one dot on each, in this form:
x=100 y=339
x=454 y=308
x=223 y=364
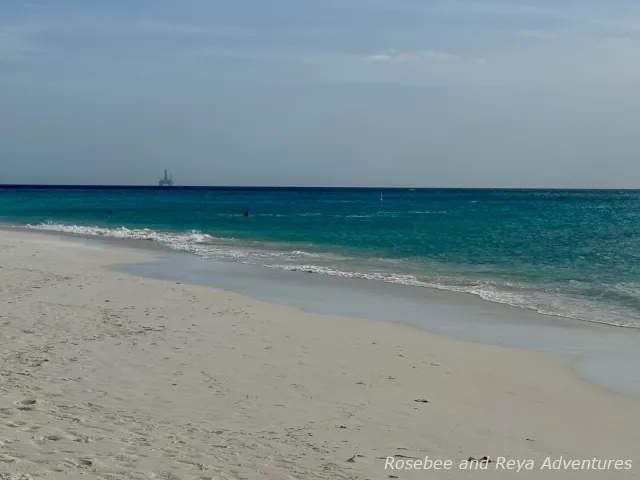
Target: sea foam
x=541 y=300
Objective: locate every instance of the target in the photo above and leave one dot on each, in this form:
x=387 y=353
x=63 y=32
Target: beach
x=114 y=376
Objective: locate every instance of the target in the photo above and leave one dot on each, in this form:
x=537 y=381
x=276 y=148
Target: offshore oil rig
x=167 y=181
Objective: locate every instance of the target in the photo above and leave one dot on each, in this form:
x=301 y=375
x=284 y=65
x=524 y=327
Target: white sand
x=141 y=378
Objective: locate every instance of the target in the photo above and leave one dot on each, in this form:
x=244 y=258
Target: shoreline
x=166 y=252
x=602 y=354
x=121 y=376
x=153 y=245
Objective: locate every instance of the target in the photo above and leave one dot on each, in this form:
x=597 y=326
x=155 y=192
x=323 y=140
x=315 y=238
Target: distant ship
x=167 y=181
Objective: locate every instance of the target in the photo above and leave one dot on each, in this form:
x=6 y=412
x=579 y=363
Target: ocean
x=573 y=253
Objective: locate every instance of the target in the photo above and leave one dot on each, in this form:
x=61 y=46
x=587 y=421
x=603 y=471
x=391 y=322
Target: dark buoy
x=246 y=214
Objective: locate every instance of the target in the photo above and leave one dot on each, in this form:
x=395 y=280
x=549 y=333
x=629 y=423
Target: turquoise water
x=566 y=253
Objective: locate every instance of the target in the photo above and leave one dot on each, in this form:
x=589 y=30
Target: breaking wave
x=571 y=301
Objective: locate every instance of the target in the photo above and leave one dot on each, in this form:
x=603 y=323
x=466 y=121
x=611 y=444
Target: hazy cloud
x=380 y=57
x=392 y=55
x=442 y=92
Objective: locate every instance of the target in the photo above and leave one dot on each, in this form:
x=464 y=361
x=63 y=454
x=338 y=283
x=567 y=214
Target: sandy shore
x=110 y=376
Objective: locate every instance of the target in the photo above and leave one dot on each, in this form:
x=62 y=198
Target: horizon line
x=312 y=187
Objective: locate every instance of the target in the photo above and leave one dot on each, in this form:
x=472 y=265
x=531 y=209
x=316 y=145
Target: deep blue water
x=569 y=253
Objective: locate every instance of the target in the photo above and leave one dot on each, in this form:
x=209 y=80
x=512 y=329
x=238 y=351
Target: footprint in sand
x=78 y=462
x=82 y=439
x=26 y=404
x=15 y=424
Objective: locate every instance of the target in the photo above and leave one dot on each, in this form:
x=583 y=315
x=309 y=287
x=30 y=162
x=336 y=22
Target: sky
x=397 y=93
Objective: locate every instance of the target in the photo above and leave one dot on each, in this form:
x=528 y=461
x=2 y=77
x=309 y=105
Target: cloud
x=470 y=43
x=392 y=55
x=378 y=58
x=524 y=82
